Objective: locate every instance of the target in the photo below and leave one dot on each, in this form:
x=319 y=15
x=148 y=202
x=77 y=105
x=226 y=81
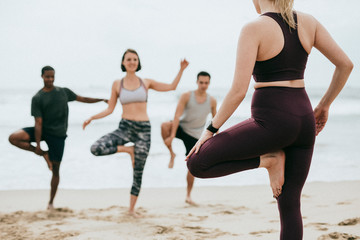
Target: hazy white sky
x=85 y=39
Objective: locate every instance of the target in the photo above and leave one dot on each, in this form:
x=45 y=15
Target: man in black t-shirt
x=50 y=109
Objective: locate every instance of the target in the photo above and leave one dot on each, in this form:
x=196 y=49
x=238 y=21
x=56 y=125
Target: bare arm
x=89 y=100
x=245 y=60
x=179 y=111
x=111 y=105
x=213 y=106
x=343 y=67
x=38 y=133
x=164 y=87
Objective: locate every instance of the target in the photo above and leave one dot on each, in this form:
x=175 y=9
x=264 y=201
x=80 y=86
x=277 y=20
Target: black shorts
x=55 y=144
x=188 y=140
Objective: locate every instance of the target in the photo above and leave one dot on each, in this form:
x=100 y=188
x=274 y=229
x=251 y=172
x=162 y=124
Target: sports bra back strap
x=280 y=22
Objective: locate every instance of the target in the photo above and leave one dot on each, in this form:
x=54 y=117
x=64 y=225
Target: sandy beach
x=330 y=211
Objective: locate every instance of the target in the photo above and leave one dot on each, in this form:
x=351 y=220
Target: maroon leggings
x=282 y=118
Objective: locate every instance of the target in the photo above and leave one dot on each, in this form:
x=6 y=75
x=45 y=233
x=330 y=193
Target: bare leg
x=47 y=159
x=275 y=164
x=132 y=212
x=190 y=183
x=129 y=150
x=21 y=140
x=165 y=133
x=54 y=183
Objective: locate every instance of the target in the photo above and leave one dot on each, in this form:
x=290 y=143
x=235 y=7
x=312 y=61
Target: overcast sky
x=85 y=39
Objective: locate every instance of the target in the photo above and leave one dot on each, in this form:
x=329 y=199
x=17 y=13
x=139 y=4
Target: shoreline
x=235 y=212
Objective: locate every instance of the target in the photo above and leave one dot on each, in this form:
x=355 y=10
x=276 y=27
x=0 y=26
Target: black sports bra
x=290 y=63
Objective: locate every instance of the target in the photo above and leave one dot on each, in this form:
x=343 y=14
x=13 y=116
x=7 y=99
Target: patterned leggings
x=137 y=132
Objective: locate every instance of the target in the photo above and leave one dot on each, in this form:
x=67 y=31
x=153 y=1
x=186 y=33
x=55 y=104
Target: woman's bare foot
x=172 y=158
x=47 y=159
x=188 y=200
x=134 y=214
x=275 y=164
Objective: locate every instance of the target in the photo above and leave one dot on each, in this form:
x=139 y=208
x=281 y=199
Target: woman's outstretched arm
x=164 y=87
x=111 y=105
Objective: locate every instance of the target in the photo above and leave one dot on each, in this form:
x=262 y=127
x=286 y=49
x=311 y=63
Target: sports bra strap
x=140 y=80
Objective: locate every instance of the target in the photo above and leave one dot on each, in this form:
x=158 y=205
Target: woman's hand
x=183 y=64
x=204 y=137
x=321 y=117
x=86 y=122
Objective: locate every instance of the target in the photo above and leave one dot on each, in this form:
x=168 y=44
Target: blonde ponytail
x=286 y=9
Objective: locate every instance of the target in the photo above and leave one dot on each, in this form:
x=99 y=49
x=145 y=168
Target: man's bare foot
x=275 y=164
x=47 y=159
x=134 y=214
x=172 y=158
x=188 y=200
x=50 y=206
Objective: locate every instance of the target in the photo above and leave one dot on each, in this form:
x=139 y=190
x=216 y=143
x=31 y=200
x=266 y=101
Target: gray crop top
x=131 y=96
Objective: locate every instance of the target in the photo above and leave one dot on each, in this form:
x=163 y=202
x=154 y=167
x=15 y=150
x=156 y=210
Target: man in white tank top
x=189 y=121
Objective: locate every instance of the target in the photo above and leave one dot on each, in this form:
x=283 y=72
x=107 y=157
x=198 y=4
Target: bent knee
x=17 y=136
x=195 y=169
x=12 y=139
x=94 y=149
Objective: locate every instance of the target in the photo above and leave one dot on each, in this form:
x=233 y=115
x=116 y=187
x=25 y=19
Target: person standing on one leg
x=132 y=92
x=189 y=121
x=274 y=48
x=50 y=109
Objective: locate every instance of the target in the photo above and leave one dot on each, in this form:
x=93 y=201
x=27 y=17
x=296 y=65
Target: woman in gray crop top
x=134 y=126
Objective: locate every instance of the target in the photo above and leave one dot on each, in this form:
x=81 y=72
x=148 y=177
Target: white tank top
x=194 y=117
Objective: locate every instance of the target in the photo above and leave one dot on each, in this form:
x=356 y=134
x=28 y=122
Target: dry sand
x=330 y=211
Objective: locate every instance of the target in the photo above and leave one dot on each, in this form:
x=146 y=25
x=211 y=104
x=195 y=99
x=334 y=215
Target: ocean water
x=335 y=157
x=84 y=41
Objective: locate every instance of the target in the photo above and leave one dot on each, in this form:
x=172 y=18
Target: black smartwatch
x=212 y=129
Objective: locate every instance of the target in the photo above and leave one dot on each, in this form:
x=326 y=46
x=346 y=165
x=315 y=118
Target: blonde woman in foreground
x=274 y=49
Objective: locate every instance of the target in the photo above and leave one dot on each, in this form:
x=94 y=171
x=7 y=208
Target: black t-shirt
x=53 y=108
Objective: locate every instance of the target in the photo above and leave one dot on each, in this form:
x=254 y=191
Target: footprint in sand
x=192 y=218
x=225 y=212
x=260 y=233
x=319 y=226
x=163 y=230
x=56 y=234
x=338 y=236
x=215 y=205
x=350 y=222
x=228 y=210
x=203 y=233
